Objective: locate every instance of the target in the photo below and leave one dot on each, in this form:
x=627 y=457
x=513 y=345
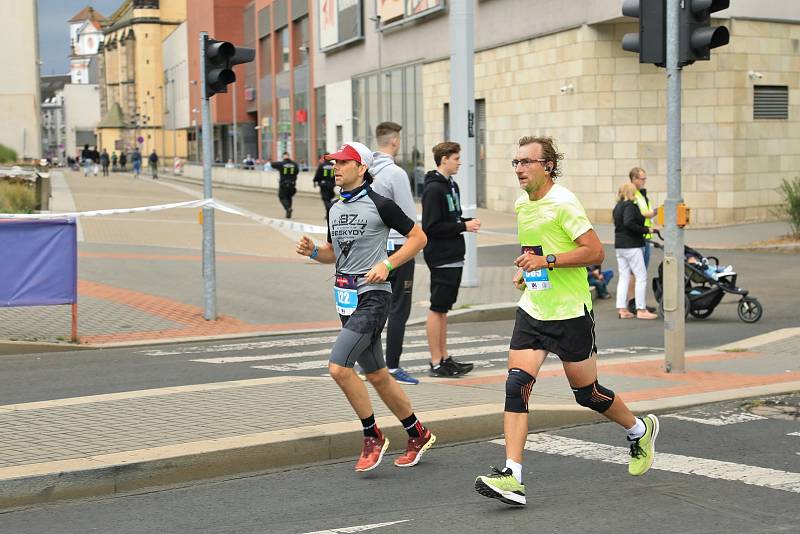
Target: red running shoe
x=416 y=446
x=372 y=453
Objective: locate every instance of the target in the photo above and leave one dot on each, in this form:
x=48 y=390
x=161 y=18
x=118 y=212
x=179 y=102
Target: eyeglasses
x=525 y=162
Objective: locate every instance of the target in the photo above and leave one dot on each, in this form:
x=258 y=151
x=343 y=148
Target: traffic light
x=220 y=57
x=698 y=37
x=651 y=40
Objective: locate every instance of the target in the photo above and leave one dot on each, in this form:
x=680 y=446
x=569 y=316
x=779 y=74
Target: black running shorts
x=444 y=288
x=360 y=337
x=572 y=340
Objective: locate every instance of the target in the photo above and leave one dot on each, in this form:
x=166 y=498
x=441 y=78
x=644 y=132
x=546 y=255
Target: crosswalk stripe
x=321 y=364
x=321 y=352
x=358 y=528
x=674 y=463
x=722 y=420
x=271 y=344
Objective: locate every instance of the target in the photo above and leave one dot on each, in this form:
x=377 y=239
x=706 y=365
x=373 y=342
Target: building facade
x=85 y=35
x=81 y=117
x=132 y=89
x=53 y=125
x=20 y=100
x=563 y=73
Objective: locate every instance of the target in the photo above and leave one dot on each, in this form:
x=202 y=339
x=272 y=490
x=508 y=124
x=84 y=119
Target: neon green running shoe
x=643 y=449
x=501 y=485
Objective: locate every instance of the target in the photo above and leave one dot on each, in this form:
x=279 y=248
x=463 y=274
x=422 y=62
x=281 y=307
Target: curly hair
x=549 y=152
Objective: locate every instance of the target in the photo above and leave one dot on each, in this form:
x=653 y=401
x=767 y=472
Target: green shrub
x=16 y=198
x=790 y=192
x=7 y=155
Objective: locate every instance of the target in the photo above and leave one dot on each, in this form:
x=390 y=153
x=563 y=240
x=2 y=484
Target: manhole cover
x=776 y=411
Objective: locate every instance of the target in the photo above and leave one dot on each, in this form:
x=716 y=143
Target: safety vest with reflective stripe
x=644 y=207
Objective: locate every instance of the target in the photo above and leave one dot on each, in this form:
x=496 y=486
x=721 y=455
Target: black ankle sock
x=413 y=426
x=370 y=427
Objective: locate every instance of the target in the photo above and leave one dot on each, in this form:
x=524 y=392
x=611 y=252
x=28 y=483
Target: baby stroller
x=705 y=283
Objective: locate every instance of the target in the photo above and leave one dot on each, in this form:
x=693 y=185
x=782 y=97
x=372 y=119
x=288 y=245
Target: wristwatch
x=551 y=261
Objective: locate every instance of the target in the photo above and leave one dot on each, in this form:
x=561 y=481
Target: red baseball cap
x=352 y=151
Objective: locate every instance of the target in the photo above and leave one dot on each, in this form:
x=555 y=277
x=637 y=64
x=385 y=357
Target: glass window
x=284 y=125
x=321 y=122
x=282 y=52
x=265 y=55
x=301 y=41
x=301 y=130
x=372 y=109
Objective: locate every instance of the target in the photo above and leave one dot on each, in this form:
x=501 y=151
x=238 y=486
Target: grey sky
x=54 y=29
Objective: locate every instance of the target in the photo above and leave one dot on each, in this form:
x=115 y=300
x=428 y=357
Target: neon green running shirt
x=554 y=223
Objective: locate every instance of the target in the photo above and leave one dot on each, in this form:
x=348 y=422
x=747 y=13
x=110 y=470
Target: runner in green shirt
x=555 y=315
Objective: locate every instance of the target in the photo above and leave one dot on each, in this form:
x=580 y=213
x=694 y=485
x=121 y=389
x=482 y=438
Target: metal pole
x=380 y=70
x=209 y=267
x=673 y=298
x=173 y=118
x=462 y=119
x=235 y=156
x=163 y=125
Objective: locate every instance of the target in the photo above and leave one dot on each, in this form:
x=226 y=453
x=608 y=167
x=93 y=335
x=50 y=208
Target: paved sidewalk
x=114 y=443
x=140 y=274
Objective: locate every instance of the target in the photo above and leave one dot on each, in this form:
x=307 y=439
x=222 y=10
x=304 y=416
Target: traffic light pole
x=673 y=296
x=209 y=256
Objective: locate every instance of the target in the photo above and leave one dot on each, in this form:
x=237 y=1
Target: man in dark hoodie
x=444 y=253
x=391 y=181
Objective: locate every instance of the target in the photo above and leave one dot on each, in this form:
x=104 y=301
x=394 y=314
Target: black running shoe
x=464 y=367
x=445 y=371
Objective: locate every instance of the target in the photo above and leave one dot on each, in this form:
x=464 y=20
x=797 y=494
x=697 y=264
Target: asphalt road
x=719 y=469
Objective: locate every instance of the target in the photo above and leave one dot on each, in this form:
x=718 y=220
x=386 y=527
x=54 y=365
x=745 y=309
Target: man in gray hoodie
x=392 y=182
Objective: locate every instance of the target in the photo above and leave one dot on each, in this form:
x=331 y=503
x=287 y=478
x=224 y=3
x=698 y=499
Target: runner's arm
x=589 y=252
x=305 y=247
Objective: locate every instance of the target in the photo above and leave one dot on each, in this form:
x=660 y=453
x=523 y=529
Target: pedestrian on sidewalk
x=391 y=181
x=153 y=162
x=444 y=225
x=358 y=227
x=136 y=161
x=287 y=181
x=555 y=315
x=323 y=179
x=629 y=230
x=86 y=159
x=104 y=162
x=114 y=161
x=638 y=177
x=123 y=161
x=95 y=160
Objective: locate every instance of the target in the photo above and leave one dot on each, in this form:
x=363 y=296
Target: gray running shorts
x=360 y=337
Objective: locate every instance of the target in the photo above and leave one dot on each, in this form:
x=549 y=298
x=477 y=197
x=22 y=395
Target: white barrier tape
x=115 y=211
x=279 y=224
x=282 y=225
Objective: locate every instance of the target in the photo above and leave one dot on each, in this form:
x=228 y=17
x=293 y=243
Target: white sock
x=637 y=430
x=516 y=469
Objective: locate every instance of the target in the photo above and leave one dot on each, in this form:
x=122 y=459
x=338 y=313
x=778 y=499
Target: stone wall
x=608 y=113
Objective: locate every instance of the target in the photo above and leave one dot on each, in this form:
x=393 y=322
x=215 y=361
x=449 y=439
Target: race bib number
x=345 y=294
x=535 y=280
